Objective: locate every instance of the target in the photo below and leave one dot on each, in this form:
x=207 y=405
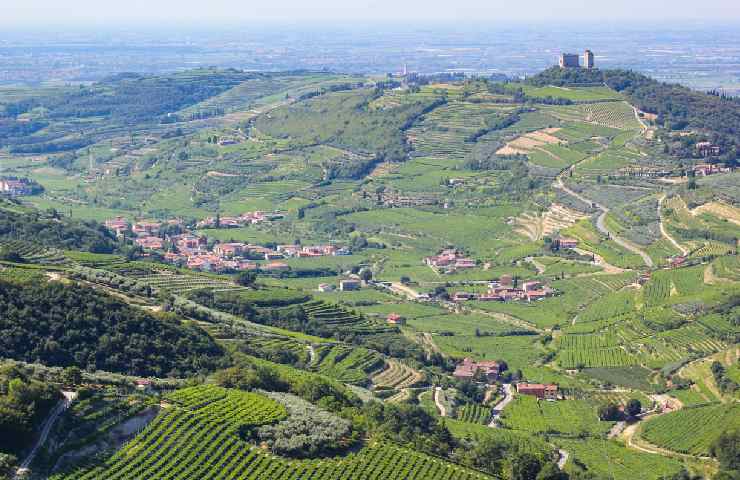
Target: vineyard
x=592 y=357
x=444 y=132
x=473 y=413
x=346 y=364
x=33 y=253
x=398 y=375
x=611 y=114
x=338 y=318
x=569 y=417
x=692 y=430
x=609 y=459
x=197 y=438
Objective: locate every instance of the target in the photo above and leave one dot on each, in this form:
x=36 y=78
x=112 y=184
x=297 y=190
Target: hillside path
x=664 y=232
x=563 y=458
x=438 y=402
x=45 y=430
x=499 y=407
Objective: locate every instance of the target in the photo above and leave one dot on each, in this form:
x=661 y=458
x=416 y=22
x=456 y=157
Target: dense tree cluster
x=24 y=402
x=65 y=325
x=308 y=432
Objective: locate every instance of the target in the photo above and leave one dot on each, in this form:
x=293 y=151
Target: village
x=188 y=249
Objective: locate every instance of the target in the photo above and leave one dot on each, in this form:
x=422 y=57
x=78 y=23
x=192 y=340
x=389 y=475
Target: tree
x=71 y=376
x=525 y=466
x=726 y=449
x=609 y=412
x=7 y=465
x=550 y=471
x=633 y=407
x=366 y=275
x=245 y=279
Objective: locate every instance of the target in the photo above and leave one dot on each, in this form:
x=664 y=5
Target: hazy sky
x=24 y=13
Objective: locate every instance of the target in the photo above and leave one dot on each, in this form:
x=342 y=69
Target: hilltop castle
x=572 y=60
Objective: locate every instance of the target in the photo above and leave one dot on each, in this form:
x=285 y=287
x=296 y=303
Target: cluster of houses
x=490 y=371
x=503 y=290
x=470 y=369
x=193 y=251
x=700 y=169
x=449 y=261
x=15 y=187
x=249 y=218
x=706 y=169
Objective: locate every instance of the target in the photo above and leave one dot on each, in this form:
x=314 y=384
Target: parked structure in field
x=395 y=319
x=569 y=60
x=542 y=391
x=469 y=368
x=588 y=59
x=349 y=284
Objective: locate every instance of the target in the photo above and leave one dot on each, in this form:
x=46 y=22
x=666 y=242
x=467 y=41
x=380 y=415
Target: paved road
x=499 y=407
x=45 y=430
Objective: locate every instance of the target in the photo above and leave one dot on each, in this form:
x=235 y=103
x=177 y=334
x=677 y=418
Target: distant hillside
x=57 y=232
x=676 y=106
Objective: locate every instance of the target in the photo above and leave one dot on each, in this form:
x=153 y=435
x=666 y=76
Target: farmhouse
x=276 y=267
x=706 y=169
x=229 y=249
x=395 y=319
x=468 y=369
x=568 y=243
x=708 y=149
x=326 y=287
x=463 y=296
x=18 y=186
x=150 y=243
x=118 y=225
x=145 y=228
x=543 y=391
x=450 y=260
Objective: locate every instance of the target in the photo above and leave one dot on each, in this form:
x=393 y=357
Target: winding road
x=600 y=221
x=45 y=430
x=664 y=232
x=499 y=407
x=438 y=402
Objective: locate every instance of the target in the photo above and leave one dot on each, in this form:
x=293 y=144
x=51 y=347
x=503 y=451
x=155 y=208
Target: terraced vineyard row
x=397 y=375
x=611 y=114
x=185 y=283
x=33 y=253
x=347 y=364
x=340 y=318
x=192 y=441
